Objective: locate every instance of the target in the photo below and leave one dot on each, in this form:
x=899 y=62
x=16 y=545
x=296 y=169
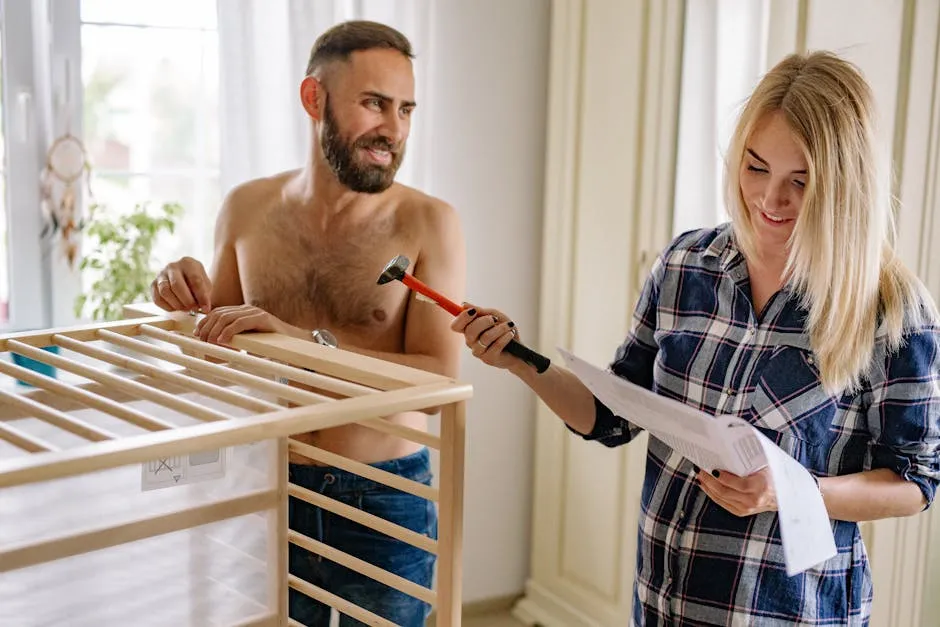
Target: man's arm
x=224 y=278
x=429 y=342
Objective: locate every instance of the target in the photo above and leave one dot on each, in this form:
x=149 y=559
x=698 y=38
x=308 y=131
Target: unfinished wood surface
x=120 y=383
x=54 y=417
x=257 y=364
x=104 y=536
x=364 y=518
x=85 y=332
x=182 y=381
x=338 y=603
x=363 y=568
x=250 y=377
x=365 y=470
x=450 y=529
x=184 y=578
x=23 y=440
x=221 y=434
x=64 y=397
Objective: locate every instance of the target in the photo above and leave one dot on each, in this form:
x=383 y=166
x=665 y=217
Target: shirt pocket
x=789 y=403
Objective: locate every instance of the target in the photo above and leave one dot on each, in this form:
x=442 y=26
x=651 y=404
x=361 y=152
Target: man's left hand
x=742 y=496
x=220 y=325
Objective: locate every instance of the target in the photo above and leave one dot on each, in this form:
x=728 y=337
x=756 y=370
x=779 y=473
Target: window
x=150 y=110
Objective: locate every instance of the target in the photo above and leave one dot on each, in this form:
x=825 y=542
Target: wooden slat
x=23 y=440
x=301 y=397
x=147 y=526
x=450 y=524
x=364 y=470
x=84 y=332
x=369 y=371
x=207 y=389
x=338 y=603
x=343 y=388
x=84 y=396
x=56 y=418
x=29 y=469
x=364 y=518
x=363 y=567
x=141 y=391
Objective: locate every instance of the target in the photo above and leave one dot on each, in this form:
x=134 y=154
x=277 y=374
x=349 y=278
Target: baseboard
x=539 y=607
x=483 y=607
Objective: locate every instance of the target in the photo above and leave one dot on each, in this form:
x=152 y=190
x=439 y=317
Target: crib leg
x=450 y=528
x=279 y=545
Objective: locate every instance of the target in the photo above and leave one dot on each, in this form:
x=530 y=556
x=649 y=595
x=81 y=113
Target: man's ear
x=311 y=95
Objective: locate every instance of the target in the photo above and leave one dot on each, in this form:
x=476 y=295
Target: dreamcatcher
x=60 y=181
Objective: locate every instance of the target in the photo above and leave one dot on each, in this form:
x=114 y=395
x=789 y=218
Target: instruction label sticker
x=168 y=472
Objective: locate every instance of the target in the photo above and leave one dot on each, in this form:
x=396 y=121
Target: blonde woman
x=797 y=316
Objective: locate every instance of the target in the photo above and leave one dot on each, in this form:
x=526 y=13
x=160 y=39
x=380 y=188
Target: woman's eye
x=754 y=168
x=800 y=184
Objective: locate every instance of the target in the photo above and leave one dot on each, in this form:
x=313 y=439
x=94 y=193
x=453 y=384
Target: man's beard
x=342 y=156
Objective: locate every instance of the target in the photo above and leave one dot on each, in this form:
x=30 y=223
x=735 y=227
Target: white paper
x=723 y=443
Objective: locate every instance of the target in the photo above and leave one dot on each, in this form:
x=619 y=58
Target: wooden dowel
x=364 y=518
x=144 y=526
x=207 y=389
x=57 y=418
x=296 y=395
x=85 y=397
x=363 y=567
x=142 y=391
x=338 y=603
x=364 y=470
x=25 y=441
x=338 y=386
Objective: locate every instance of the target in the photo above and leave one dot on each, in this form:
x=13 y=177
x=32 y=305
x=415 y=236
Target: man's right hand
x=182 y=286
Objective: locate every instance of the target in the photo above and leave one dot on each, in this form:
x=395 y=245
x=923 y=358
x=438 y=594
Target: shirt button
x=668 y=581
x=681 y=514
x=811 y=360
x=729 y=391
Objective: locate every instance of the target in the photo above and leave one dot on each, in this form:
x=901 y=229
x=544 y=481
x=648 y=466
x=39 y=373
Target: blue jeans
x=393 y=555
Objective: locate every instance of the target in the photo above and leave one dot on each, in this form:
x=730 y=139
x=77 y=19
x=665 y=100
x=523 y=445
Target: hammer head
x=395 y=270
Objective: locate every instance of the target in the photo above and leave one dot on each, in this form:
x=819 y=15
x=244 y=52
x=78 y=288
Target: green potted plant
x=120 y=258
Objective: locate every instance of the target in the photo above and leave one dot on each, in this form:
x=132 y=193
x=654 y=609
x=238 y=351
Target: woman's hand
x=486 y=333
x=742 y=496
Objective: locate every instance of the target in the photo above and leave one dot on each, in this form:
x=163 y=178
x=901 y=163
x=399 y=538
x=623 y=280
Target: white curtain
x=724 y=55
x=264 y=46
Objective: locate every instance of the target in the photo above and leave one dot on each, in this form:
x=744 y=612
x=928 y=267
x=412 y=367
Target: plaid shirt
x=697 y=339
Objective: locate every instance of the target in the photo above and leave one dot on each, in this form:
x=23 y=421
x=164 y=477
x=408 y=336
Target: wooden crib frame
x=355 y=389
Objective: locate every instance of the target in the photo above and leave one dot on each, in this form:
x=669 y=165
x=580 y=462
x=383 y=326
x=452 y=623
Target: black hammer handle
x=529 y=356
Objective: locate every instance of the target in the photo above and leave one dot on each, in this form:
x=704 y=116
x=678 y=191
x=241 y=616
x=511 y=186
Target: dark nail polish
x=511 y=324
x=695 y=469
x=472 y=312
x=715 y=474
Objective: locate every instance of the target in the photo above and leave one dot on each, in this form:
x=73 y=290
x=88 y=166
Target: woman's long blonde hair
x=841 y=259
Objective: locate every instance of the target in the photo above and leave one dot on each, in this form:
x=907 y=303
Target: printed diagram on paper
x=724 y=443
x=167 y=472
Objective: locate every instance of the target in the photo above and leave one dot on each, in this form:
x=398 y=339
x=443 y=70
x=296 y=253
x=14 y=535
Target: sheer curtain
x=264 y=46
x=723 y=58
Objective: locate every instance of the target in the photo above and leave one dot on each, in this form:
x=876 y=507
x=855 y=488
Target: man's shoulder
x=421 y=208
x=259 y=190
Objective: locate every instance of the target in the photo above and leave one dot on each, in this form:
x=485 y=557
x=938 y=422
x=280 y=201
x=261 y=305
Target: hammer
x=396 y=270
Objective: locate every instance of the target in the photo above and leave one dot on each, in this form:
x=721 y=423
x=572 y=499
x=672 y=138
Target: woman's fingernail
x=472 y=312
x=715 y=474
x=511 y=324
x=695 y=468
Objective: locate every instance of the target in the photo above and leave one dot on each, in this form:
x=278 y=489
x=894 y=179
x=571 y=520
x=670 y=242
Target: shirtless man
x=301 y=251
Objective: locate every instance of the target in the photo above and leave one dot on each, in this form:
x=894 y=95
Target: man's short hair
x=339 y=42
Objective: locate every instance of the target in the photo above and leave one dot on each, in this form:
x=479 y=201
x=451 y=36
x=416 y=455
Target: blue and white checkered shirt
x=697 y=339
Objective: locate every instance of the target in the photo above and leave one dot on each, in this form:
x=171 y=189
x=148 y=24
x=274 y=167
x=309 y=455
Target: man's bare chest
x=312 y=282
